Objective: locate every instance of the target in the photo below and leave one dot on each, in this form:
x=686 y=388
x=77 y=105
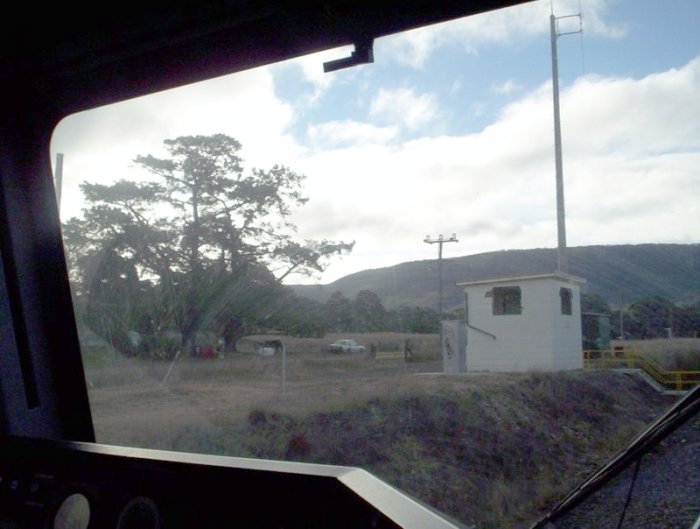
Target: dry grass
x=490 y=449
x=129 y=397
x=673 y=354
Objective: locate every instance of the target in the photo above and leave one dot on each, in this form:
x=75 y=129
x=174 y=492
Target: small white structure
x=524 y=323
x=454 y=343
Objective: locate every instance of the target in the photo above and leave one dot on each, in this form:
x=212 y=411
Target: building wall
x=538 y=338
x=567 y=337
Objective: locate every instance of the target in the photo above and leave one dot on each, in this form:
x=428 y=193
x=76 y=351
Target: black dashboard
x=79 y=485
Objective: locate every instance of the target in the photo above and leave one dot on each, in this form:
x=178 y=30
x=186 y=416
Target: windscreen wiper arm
x=675 y=417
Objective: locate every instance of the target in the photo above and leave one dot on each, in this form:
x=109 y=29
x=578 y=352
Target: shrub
x=257 y=418
x=298 y=446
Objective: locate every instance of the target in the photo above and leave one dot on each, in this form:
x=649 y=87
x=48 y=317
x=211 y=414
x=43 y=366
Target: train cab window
x=250 y=275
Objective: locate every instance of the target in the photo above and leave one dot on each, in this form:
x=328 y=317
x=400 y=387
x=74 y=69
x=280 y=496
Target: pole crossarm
x=562 y=33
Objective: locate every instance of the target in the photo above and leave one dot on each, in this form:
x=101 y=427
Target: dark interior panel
x=50 y=484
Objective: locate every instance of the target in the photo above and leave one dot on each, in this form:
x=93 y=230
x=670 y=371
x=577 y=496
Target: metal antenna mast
x=562 y=262
x=439 y=241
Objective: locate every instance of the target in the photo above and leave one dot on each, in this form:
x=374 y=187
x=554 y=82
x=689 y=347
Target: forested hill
x=620 y=274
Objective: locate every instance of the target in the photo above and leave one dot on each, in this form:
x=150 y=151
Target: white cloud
x=502 y=26
x=593 y=12
x=631 y=153
x=506 y=87
x=311 y=68
x=100 y=144
x=631 y=158
x=404 y=106
x=663 y=102
x=349 y=132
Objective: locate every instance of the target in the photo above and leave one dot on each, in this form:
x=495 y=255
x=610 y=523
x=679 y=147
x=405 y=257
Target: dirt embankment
x=490 y=450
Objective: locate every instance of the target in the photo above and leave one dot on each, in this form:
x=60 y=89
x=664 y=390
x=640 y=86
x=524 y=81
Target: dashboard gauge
x=74 y=513
x=139 y=513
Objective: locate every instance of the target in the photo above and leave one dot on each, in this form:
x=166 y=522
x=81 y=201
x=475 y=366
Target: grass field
x=493 y=450
x=423 y=346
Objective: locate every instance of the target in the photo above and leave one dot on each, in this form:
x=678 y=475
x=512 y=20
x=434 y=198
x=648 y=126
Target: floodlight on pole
x=562 y=262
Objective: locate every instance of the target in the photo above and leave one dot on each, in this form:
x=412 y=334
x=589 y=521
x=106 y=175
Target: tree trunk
x=189 y=340
x=233 y=331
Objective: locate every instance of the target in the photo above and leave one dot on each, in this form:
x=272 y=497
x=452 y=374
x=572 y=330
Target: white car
x=346 y=346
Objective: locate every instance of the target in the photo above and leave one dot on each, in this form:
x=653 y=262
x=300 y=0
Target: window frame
x=506 y=301
x=566 y=299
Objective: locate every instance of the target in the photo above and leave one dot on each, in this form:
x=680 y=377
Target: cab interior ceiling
x=90 y=57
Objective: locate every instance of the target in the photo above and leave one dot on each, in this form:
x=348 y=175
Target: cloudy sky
x=450 y=131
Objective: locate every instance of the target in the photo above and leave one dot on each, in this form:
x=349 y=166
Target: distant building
x=524 y=323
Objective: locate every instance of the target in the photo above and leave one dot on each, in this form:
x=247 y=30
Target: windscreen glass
x=373 y=267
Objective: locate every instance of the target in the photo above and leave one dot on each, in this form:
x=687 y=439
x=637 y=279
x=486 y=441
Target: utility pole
x=440 y=241
x=562 y=262
x=622 y=323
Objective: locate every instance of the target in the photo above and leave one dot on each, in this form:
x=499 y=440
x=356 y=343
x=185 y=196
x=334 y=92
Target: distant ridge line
x=618 y=273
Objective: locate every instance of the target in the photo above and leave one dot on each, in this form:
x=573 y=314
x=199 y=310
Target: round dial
x=139 y=513
x=74 y=513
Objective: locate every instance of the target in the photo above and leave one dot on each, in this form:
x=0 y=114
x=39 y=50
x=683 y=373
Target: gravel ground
x=666 y=494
